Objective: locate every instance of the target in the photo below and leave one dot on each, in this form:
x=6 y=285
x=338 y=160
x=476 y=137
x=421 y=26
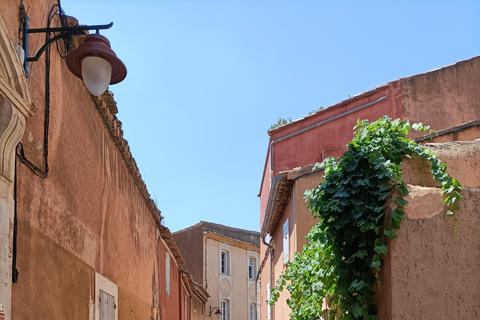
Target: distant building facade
x=225 y=262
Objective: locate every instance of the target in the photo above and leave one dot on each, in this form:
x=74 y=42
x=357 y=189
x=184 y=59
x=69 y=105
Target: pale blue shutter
x=286 y=241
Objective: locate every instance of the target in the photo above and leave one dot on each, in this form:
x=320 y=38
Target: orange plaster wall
x=301 y=221
x=431 y=271
x=304 y=221
x=281 y=310
x=88 y=215
x=445 y=97
x=434 y=265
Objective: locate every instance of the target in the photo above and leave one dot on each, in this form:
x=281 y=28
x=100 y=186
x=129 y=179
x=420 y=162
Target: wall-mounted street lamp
x=217 y=312
x=94 y=61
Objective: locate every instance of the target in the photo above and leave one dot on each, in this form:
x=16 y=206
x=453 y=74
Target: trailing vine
x=341 y=261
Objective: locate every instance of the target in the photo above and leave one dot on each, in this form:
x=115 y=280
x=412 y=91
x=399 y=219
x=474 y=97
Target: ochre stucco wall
x=434 y=263
x=432 y=269
x=88 y=215
x=303 y=218
x=443 y=98
x=300 y=222
x=53 y=283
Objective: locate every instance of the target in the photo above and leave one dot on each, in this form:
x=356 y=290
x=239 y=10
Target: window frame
x=252 y=311
x=186 y=307
x=225 y=262
x=252 y=268
x=225 y=309
x=269 y=307
x=167 y=273
x=107 y=286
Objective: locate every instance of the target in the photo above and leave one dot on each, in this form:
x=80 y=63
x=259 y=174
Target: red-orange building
x=446 y=99
x=80 y=238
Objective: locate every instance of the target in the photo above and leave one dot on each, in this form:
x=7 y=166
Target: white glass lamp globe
x=96 y=74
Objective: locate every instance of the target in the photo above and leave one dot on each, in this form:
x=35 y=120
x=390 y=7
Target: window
x=225 y=308
x=225 y=262
x=251 y=268
x=269 y=307
x=286 y=241
x=186 y=308
x=167 y=273
x=106 y=298
x=107 y=306
x=252 y=315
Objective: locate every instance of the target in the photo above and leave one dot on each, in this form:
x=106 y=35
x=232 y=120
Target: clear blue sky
x=206 y=79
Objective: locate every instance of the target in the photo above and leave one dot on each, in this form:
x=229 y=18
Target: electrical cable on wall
x=43 y=173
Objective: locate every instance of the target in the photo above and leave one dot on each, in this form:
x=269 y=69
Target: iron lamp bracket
x=64 y=32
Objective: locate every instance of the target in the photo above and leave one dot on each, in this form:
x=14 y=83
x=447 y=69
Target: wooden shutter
x=107 y=306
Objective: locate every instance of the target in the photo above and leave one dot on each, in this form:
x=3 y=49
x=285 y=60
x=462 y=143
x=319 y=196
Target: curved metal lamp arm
x=64 y=32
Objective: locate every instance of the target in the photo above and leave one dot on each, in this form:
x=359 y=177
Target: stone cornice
x=230 y=241
x=13 y=82
x=107 y=107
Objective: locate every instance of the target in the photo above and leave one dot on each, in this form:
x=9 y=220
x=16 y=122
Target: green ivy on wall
x=345 y=248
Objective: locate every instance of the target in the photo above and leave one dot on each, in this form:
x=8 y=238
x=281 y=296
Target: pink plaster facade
x=446 y=99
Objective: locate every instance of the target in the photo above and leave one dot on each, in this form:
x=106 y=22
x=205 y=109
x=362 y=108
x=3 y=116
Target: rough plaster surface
x=90 y=214
x=435 y=263
x=451 y=92
x=424 y=203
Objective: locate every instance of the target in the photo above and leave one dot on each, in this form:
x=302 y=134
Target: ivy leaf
x=361 y=254
x=376 y=264
x=397 y=214
x=401 y=201
x=403 y=190
x=381 y=249
x=390 y=234
x=356 y=285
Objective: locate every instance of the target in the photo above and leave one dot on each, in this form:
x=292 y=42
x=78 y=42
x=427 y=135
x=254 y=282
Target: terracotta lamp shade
x=96 y=64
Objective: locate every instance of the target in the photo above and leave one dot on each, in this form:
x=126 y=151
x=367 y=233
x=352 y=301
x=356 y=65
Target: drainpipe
x=270 y=280
x=205 y=255
x=320 y=124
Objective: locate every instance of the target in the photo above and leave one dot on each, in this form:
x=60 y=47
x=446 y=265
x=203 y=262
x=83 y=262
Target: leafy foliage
x=280 y=122
x=345 y=248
